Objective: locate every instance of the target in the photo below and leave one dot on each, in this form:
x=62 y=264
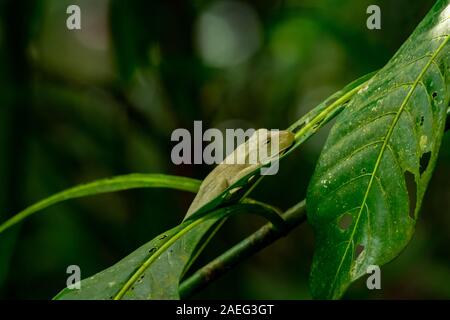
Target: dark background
x=76 y=106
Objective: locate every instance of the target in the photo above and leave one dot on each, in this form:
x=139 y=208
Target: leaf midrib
x=380 y=155
x=144 y=266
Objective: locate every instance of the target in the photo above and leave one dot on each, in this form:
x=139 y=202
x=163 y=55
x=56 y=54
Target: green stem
x=265 y=236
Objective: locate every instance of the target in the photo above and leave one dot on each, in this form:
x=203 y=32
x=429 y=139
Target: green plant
x=388 y=130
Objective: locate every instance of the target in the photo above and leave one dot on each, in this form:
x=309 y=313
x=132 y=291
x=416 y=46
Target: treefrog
x=242 y=161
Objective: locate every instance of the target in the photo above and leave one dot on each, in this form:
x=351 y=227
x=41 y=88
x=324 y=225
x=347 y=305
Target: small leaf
x=385 y=131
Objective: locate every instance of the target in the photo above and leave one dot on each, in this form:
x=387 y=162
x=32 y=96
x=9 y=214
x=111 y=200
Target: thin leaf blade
x=119 y=183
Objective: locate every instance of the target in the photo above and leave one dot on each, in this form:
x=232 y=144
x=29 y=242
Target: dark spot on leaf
x=434 y=94
x=163 y=237
x=111 y=297
x=424 y=161
x=422 y=120
x=152 y=250
x=363 y=170
x=359 y=249
x=412 y=192
x=345 y=221
x=132 y=288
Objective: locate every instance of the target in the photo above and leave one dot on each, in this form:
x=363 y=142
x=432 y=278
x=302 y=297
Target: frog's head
x=284 y=139
x=270 y=143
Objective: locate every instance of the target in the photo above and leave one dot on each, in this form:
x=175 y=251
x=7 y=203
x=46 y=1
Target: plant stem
x=262 y=238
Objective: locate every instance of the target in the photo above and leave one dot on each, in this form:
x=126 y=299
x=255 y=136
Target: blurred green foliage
x=86 y=104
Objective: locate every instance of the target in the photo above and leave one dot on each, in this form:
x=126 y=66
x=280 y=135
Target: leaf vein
x=379 y=158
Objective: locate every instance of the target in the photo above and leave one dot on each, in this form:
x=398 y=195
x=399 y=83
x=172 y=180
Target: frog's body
x=243 y=160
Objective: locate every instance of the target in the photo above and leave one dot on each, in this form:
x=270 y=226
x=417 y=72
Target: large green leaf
x=153 y=271
x=361 y=202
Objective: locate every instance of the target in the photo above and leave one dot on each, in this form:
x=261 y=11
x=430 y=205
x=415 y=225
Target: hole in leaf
x=412 y=192
x=434 y=94
x=359 y=249
x=424 y=161
x=345 y=221
x=152 y=250
x=363 y=170
x=163 y=237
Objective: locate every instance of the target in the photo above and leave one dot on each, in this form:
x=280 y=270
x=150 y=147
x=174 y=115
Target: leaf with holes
x=371 y=177
x=153 y=271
